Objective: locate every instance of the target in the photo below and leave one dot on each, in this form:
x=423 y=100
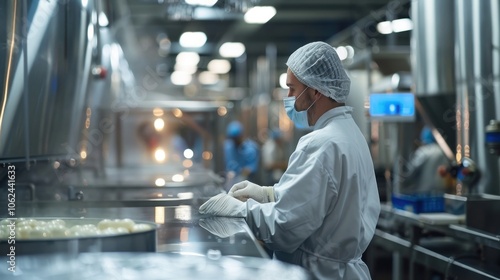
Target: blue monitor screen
x=392 y=106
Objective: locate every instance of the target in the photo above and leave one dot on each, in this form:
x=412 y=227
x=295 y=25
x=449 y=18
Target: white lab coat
x=327 y=202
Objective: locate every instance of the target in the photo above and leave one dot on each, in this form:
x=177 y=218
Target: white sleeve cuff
x=269 y=194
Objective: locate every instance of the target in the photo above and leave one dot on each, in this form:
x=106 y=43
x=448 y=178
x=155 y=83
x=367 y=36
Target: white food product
x=5 y=222
x=59 y=231
x=104 y=224
x=121 y=230
x=38 y=232
x=141 y=227
x=57 y=228
x=4 y=234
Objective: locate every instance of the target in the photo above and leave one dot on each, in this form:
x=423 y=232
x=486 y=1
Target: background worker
x=241 y=155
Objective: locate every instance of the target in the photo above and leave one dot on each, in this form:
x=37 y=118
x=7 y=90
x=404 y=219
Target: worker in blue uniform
x=241 y=155
x=322 y=213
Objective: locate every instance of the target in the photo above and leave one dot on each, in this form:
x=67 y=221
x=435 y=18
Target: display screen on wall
x=394 y=106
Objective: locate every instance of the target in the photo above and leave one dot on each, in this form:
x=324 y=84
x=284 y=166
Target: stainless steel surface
x=476 y=98
x=479 y=209
x=449 y=249
x=152 y=266
x=433 y=64
x=495 y=28
x=433 y=40
x=180 y=228
x=483 y=100
x=50 y=114
x=141 y=241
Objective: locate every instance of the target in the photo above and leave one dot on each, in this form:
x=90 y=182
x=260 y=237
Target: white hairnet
x=318 y=66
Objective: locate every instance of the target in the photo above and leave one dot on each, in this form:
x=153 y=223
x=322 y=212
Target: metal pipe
x=483 y=106
x=495 y=38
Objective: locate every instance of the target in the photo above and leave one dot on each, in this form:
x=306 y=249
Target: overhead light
x=259 y=14
x=193 y=39
x=178 y=178
x=219 y=66
x=397 y=25
x=103 y=19
x=341 y=52
x=350 y=51
x=158 y=112
x=402 y=24
x=160 y=155
x=159 y=124
x=160 y=182
x=187 y=58
x=208 y=78
x=207 y=3
x=180 y=78
x=384 y=27
x=188 y=153
x=232 y=49
x=188 y=68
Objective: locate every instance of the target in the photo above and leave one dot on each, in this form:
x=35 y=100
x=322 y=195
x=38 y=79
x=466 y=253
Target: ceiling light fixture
x=193 y=39
x=384 y=27
x=103 y=19
x=207 y=3
x=208 y=78
x=232 y=49
x=341 y=52
x=188 y=68
x=189 y=58
x=259 y=14
x=402 y=24
x=219 y=66
x=180 y=78
x=397 y=25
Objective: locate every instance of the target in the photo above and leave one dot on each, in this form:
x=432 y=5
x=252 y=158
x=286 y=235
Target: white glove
x=245 y=190
x=221 y=226
x=224 y=205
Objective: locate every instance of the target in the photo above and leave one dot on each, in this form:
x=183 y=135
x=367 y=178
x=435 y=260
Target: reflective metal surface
x=433 y=40
x=181 y=232
x=42 y=104
x=181 y=229
x=152 y=266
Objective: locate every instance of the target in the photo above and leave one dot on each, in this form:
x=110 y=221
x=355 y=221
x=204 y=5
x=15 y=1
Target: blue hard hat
x=426 y=135
x=234 y=129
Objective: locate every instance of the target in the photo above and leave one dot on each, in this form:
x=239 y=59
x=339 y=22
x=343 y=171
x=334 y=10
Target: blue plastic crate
x=418 y=203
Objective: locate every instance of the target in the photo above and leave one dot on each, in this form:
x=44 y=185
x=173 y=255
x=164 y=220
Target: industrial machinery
x=82 y=143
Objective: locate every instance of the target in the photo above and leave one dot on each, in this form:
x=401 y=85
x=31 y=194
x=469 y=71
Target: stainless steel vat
x=141 y=241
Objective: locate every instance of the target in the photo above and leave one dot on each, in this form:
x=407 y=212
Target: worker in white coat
x=322 y=213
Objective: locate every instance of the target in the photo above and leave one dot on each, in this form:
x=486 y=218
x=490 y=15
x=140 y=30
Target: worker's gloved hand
x=245 y=190
x=224 y=205
x=222 y=226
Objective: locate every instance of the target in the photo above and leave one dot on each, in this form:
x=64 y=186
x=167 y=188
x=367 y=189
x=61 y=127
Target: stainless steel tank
x=143 y=240
x=477 y=97
x=46 y=81
x=433 y=64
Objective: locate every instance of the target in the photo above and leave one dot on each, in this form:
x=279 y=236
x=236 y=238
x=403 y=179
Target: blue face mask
x=299 y=118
